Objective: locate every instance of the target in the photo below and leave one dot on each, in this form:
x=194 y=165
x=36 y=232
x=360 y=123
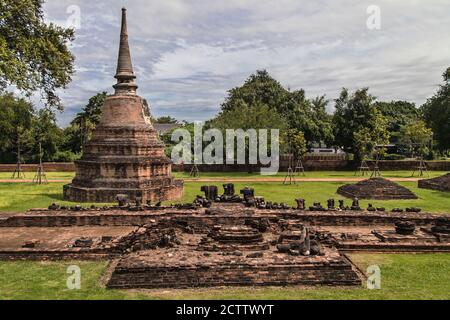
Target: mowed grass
x=30 y=175
x=430 y=201
x=309 y=174
x=403 y=276
x=20 y=197
x=243 y=175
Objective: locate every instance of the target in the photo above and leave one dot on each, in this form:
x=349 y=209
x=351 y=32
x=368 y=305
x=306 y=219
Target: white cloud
x=187 y=54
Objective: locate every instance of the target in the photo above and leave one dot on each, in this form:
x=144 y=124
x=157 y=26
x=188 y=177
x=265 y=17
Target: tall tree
x=436 y=113
x=47 y=133
x=323 y=119
x=85 y=122
x=416 y=137
x=354 y=113
x=246 y=117
x=259 y=89
x=294 y=142
x=294 y=108
x=34 y=56
x=16 y=117
x=166 y=120
x=398 y=113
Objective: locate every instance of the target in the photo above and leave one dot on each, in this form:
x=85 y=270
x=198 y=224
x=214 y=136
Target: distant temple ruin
x=125 y=155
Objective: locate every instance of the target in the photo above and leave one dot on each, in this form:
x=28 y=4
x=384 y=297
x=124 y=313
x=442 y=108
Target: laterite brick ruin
x=376 y=189
x=439 y=183
x=224 y=237
x=221 y=240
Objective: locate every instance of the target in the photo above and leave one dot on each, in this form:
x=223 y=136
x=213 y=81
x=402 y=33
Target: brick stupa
x=125 y=154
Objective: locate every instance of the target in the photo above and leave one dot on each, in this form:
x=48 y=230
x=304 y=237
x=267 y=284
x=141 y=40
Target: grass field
x=257 y=175
x=309 y=174
x=403 y=276
x=19 y=197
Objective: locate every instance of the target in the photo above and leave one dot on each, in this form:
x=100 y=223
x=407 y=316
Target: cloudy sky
x=187 y=54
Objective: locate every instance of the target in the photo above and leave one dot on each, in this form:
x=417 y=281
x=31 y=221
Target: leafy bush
x=393 y=157
x=65 y=156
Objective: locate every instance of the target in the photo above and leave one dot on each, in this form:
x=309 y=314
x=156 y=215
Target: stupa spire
x=124 y=75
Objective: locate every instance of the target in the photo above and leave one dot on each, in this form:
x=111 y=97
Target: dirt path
x=275 y=179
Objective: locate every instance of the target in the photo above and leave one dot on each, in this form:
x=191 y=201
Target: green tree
x=245 y=117
x=416 y=137
x=356 y=115
x=84 y=123
x=259 y=89
x=34 y=56
x=46 y=131
x=72 y=140
x=294 y=108
x=93 y=110
x=294 y=142
x=370 y=141
x=398 y=114
x=323 y=120
x=167 y=137
x=16 y=116
x=436 y=113
x=166 y=120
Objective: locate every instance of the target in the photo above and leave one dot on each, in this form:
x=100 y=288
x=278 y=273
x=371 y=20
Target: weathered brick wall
x=235 y=275
x=322 y=165
x=411 y=165
x=394 y=247
x=200 y=222
x=54 y=255
x=311 y=165
x=48 y=167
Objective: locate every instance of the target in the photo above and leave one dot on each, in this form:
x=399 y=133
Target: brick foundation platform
x=376 y=189
x=186 y=269
x=223 y=245
x=439 y=184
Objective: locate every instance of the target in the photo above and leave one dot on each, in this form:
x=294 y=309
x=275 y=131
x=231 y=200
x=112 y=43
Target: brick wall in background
x=310 y=165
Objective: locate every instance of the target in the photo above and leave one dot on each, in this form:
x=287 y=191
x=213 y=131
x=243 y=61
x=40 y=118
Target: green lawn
x=309 y=174
x=257 y=175
x=20 y=197
x=50 y=175
x=403 y=276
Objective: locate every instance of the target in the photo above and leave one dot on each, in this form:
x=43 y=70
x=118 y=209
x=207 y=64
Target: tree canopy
x=416 y=137
x=398 y=113
x=15 y=120
x=436 y=112
x=298 y=112
x=80 y=129
x=166 y=120
x=357 y=121
x=34 y=56
x=22 y=128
